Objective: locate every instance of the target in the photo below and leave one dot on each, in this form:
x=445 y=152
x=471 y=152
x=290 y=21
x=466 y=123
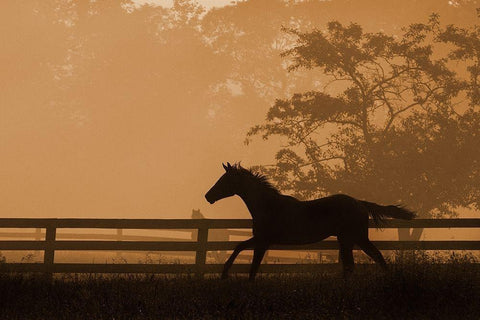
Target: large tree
x=390 y=125
x=248 y=34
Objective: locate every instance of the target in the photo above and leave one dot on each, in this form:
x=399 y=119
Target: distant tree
x=149 y=64
x=466 y=50
x=247 y=40
x=30 y=58
x=390 y=124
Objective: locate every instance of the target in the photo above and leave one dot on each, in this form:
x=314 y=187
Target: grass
x=416 y=287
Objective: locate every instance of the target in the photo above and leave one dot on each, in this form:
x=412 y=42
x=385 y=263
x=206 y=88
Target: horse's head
x=226 y=186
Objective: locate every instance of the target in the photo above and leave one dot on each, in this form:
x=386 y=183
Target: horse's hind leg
x=346 y=256
x=258 y=254
x=373 y=252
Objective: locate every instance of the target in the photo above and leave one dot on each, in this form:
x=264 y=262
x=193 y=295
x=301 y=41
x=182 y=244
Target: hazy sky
x=123 y=147
x=139 y=134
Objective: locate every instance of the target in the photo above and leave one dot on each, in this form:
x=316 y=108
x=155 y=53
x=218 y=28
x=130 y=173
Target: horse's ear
x=229 y=165
x=225 y=167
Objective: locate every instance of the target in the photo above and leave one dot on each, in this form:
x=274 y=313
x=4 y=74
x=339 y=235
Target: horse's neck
x=258 y=201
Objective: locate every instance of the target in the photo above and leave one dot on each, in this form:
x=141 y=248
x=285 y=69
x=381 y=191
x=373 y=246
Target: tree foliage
x=396 y=120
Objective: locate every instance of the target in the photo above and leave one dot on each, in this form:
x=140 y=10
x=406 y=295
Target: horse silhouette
x=282 y=219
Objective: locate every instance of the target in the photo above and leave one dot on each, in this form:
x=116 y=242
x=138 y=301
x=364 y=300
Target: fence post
x=49 y=254
x=119 y=238
x=201 y=253
x=38 y=237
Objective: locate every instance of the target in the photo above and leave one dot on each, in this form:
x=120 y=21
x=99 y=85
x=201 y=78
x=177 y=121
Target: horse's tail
x=379 y=213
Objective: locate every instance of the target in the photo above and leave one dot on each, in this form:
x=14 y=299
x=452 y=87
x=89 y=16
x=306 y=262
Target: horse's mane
x=256 y=177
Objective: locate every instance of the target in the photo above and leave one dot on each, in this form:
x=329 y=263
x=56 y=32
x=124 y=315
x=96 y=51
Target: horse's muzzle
x=211 y=201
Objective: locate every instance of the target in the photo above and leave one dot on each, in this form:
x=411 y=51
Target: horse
x=284 y=220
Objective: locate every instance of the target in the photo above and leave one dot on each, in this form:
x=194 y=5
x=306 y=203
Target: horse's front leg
x=258 y=254
x=247 y=244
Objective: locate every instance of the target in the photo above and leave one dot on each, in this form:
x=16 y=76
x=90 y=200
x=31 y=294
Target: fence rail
x=199 y=247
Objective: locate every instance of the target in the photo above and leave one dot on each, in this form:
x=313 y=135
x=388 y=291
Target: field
x=418 y=287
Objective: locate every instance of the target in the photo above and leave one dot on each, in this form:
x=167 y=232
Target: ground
x=415 y=290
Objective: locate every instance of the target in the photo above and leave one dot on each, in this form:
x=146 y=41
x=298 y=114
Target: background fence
x=49 y=243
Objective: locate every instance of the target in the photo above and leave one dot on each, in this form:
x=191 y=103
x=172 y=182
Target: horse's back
x=336 y=205
x=339 y=213
x=334 y=199
x=297 y=222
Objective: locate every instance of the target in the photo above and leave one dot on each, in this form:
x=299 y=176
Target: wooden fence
x=50 y=244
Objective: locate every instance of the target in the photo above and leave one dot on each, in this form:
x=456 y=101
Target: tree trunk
x=404 y=234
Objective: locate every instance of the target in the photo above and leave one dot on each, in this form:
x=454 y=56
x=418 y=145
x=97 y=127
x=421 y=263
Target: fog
x=128 y=111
